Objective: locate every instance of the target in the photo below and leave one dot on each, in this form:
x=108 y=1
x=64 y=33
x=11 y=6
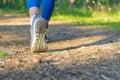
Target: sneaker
x=38 y=31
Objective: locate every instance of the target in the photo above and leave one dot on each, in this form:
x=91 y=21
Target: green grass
x=12 y=11
x=3 y=54
x=104 y=19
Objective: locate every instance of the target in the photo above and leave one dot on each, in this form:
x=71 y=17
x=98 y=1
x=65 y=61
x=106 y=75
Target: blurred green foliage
x=12 y=4
x=65 y=4
x=65 y=7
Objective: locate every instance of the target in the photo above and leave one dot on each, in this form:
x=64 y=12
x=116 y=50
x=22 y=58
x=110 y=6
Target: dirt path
x=76 y=52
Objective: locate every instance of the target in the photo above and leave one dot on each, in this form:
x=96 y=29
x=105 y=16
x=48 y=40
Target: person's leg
x=39 y=24
x=47 y=8
x=33 y=7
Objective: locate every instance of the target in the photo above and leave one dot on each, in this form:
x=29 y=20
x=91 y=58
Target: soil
x=75 y=52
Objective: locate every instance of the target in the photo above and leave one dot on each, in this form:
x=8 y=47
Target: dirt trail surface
x=76 y=52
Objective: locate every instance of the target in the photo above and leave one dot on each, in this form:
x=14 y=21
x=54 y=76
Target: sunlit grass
x=103 y=19
x=12 y=11
x=88 y=17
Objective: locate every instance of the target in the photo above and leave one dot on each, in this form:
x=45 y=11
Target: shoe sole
x=39 y=43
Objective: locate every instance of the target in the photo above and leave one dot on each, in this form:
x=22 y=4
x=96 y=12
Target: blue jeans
x=47 y=7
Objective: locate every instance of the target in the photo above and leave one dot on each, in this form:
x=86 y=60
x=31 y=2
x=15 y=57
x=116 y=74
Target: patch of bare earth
x=76 y=52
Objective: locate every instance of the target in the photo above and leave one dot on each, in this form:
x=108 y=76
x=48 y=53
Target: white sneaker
x=38 y=31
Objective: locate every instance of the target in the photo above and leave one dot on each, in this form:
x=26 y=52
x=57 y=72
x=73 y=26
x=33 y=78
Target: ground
x=75 y=52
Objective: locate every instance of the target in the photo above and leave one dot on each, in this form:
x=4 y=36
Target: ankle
x=32 y=18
